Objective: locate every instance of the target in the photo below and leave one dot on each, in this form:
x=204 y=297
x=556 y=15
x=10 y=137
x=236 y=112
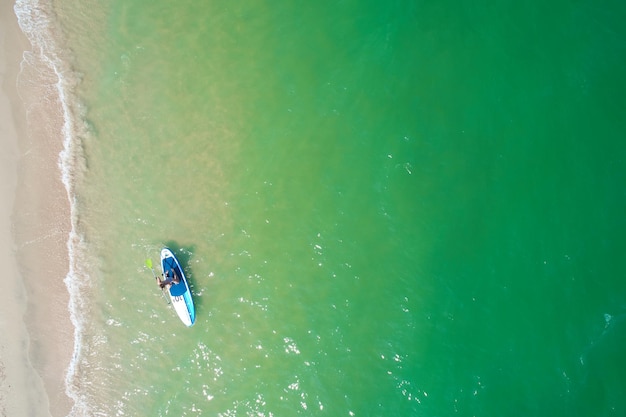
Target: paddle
x=149 y=265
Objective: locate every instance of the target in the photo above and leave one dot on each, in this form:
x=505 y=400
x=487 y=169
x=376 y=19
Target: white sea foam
x=37 y=20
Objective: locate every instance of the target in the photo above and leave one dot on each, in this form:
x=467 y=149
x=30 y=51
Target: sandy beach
x=37 y=335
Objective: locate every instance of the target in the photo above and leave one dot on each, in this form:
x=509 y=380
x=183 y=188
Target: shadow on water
x=184 y=254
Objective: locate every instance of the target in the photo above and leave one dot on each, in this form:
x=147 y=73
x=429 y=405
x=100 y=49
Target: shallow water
x=398 y=209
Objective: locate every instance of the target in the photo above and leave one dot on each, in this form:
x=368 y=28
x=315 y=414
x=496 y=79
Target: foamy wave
x=37 y=21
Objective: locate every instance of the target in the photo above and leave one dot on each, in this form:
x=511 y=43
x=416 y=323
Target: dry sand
x=36 y=342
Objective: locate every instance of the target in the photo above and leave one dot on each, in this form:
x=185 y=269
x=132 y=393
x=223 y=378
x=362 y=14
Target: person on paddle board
x=169 y=279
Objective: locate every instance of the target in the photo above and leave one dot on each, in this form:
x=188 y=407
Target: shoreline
x=37 y=349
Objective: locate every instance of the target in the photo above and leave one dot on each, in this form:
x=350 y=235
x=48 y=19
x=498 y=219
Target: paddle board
x=179 y=293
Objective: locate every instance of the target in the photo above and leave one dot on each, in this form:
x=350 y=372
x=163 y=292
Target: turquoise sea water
x=384 y=208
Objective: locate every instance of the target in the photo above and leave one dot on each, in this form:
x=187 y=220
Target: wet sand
x=37 y=335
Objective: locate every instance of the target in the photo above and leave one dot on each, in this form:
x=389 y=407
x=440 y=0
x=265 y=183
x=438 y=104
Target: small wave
x=38 y=22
